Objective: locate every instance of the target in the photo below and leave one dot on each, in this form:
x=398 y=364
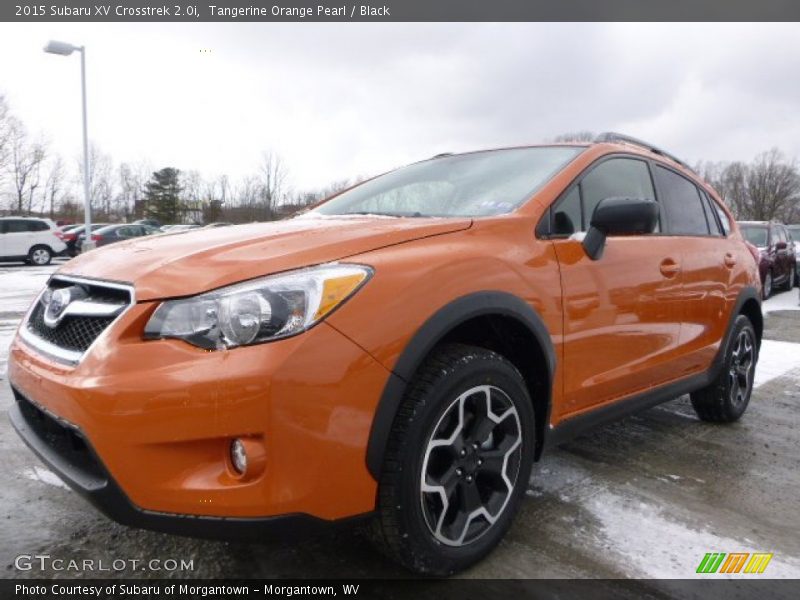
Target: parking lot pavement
x=645 y=497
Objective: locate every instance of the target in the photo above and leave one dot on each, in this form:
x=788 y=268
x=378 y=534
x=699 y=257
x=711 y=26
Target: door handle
x=669 y=268
x=730 y=260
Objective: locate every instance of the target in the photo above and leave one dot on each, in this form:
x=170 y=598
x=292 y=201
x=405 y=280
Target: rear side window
x=711 y=215
x=682 y=203
x=723 y=217
x=617 y=177
x=21 y=226
x=39 y=226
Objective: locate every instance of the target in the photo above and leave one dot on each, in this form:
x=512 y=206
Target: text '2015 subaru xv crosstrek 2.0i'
x=401 y=354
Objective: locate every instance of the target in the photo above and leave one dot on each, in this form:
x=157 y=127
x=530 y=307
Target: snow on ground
x=623 y=520
x=782 y=301
x=38 y=473
x=776 y=359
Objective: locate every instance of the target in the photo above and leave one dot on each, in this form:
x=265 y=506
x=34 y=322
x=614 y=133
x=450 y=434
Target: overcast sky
x=339 y=100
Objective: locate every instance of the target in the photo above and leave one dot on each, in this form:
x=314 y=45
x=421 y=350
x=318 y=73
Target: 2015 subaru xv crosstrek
x=401 y=353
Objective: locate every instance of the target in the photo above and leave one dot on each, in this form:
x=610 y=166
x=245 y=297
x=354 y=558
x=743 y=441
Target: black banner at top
x=398 y=10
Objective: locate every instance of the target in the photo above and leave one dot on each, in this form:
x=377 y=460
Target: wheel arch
x=494 y=320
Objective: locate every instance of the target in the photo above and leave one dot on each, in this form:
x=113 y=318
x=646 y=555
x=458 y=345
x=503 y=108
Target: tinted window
x=617 y=177
x=711 y=215
x=567 y=218
x=682 y=203
x=39 y=226
x=19 y=226
x=723 y=218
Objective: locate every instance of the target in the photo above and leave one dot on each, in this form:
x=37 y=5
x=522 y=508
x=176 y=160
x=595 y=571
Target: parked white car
x=29 y=239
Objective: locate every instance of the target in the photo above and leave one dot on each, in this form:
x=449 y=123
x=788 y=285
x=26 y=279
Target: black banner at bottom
x=430 y=589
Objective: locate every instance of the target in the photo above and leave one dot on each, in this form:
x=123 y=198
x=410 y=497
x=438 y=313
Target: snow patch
x=655 y=546
x=776 y=359
x=45 y=476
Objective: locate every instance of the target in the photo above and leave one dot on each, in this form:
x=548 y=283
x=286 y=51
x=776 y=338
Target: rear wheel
x=40 y=256
x=457 y=463
x=727 y=397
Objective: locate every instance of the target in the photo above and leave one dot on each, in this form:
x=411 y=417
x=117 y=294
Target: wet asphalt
x=644 y=497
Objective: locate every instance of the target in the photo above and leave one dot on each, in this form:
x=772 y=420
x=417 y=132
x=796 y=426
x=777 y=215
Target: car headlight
x=260 y=310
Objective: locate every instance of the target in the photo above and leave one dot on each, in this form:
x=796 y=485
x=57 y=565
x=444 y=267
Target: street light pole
x=88 y=243
x=65 y=49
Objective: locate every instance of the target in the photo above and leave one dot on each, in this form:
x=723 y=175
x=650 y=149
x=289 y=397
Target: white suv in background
x=29 y=239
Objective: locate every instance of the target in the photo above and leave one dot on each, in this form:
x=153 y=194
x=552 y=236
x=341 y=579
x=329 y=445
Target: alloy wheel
x=40 y=256
x=742 y=366
x=471 y=465
x=768 y=285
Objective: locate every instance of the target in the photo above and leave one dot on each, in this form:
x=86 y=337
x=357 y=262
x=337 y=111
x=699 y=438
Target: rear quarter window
x=682 y=203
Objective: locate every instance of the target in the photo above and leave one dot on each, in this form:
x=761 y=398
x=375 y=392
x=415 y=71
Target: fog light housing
x=238 y=456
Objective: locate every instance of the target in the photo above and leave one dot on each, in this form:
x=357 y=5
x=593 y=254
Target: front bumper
x=158 y=418
x=64 y=449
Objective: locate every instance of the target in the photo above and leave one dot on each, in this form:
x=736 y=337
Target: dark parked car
x=794 y=232
x=777 y=263
x=117 y=233
x=71 y=234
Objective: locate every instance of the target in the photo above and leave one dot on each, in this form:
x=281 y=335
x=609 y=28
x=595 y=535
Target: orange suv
x=400 y=354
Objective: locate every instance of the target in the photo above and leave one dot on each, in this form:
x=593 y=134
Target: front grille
x=75 y=333
x=63 y=439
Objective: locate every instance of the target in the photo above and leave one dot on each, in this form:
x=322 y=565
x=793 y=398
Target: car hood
x=183 y=264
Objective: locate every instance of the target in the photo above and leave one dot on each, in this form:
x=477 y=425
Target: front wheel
x=457 y=463
x=727 y=397
x=40 y=256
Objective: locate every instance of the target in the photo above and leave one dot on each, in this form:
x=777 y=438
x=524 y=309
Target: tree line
x=35 y=180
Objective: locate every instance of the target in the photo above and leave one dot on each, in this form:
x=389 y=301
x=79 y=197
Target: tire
x=455 y=398
x=766 y=289
x=727 y=397
x=40 y=256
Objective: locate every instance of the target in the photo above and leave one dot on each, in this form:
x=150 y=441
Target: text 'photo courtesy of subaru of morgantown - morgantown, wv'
x=396 y=357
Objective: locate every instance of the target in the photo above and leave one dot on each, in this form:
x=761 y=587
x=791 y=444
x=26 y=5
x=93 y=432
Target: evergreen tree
x=162 y=196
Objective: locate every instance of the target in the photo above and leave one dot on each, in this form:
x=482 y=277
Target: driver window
x=617 y=177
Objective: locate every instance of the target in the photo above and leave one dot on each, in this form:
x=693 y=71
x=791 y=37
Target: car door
x=621 y=312
x=18 y=237
x=708 y=264
x=785 y=258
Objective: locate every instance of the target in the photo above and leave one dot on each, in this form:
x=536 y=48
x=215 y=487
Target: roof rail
x=611 y=137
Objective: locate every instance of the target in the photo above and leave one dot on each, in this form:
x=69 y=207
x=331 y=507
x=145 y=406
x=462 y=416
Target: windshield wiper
x=398 y=215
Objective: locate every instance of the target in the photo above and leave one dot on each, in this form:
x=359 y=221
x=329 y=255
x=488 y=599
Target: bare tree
x=272 y=175
x=26 y=161
x=54 y=188
x=131 y=179
x=5 y=136
x=101 y=186
x=773 y=186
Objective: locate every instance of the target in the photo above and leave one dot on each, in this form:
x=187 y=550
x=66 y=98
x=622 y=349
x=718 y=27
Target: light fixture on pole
x=65 y=49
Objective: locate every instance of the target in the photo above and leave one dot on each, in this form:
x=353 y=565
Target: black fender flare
x=425 y=339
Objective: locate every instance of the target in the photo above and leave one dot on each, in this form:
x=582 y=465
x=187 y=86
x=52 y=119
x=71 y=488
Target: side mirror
x=619 y=216
x=780 y=246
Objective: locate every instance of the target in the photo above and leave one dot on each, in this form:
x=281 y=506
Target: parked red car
x=776 y=263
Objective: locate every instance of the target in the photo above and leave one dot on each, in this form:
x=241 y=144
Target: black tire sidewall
x=479 y=371
x=732 y=411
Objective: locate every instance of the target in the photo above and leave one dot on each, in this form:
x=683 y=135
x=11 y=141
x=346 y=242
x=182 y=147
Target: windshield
x=755 y=235
x=794 y=231
x=466 y=185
